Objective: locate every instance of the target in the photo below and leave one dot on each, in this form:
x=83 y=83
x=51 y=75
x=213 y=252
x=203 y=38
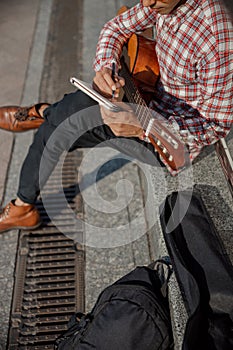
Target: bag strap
x=163 y=268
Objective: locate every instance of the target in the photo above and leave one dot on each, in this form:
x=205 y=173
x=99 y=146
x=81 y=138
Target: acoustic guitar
x=140 y=69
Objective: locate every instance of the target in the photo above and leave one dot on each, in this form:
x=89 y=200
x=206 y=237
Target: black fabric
x=131 y=314
x=203 y=270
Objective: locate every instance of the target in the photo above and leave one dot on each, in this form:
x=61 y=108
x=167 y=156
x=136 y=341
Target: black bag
x=131 y=314
x=203 y=271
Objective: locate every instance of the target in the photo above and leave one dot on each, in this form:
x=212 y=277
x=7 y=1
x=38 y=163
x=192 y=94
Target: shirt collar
x=177 y=17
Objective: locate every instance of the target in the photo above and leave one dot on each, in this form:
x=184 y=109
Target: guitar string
x=142 y=111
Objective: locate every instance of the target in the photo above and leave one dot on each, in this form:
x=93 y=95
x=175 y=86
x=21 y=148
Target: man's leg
x=74 y=122
x=22 y=213
x=63 y=122
x=69 y=124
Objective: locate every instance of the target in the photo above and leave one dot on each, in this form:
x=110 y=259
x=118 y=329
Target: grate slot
x=34 y=321
x=46 y=295
x=49 y=287
x=51 y=256
x=48 y=245
x=49 y=265
x=48 y=303
x=28 y=313
x=55 y=251
x=50 y=272
x=57 y=238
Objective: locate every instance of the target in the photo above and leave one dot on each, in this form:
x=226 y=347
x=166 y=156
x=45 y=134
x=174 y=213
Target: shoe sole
x=21 y=228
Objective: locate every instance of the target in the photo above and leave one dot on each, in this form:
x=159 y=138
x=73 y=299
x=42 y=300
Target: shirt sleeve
x=117 y=31
x=214 y=110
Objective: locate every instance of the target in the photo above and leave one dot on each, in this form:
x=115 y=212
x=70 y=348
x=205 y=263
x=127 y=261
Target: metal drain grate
x=49 y=273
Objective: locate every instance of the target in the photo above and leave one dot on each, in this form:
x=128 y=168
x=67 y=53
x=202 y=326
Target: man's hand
x=123 y=123
x=104 y=83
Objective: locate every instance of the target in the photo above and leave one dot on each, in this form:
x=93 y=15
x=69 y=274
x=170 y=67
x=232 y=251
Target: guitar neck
x=133 y=96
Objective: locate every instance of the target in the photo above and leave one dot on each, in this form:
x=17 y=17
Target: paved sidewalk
x=15 y=41
x=17 y=28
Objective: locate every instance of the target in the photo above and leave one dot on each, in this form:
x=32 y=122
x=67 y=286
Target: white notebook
x=88 y=90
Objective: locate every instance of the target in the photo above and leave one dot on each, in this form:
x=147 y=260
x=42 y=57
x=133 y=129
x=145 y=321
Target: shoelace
x=22 y=114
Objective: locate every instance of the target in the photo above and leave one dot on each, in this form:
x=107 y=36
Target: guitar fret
x=149 y=127
x=142 y=111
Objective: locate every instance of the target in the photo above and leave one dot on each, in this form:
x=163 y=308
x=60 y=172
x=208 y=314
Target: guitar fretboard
x=133 y=95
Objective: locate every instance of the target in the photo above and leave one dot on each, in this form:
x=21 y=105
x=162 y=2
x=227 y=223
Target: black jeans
x=74 y=122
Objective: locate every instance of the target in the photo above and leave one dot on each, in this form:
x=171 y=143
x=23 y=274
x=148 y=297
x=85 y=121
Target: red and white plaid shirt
x=194 y=46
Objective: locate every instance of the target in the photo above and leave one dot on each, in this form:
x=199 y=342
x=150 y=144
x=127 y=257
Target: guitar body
x=141 y=58
x=143 y=62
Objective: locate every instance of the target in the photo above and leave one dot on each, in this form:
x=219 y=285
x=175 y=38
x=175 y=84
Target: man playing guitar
x=193 y=93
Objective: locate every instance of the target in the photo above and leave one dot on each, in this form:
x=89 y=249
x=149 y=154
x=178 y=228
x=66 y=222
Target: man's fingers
x=107 y=84
x=101 y=84
x=123 y=130
x=121 y=81
x=118 y=83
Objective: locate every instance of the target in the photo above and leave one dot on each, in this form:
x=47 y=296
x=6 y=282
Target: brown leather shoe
x=18 y=119
x=19 y=217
